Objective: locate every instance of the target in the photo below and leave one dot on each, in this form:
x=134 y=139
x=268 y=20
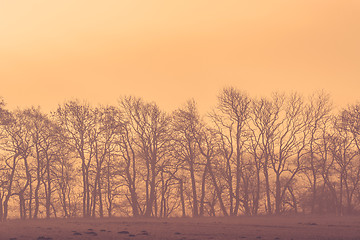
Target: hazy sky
x=169 y=51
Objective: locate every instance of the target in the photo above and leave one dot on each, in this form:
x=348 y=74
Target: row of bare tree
x=276 y=155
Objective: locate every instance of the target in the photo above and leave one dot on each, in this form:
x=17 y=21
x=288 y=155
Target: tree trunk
x=101 y=209
x=277 y=195
x=267 y=186
x=193 y=184
x=182 y=197
x=217 y=189
x=203 y=191
x=48 y=195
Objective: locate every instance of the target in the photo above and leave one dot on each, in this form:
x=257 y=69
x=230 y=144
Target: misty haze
x=287 y=158
x=179 y=120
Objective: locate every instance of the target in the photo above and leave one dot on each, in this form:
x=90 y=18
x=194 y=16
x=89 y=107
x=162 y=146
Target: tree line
x=270 y=155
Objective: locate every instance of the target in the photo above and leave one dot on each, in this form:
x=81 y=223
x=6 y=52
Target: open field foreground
x=259 y=228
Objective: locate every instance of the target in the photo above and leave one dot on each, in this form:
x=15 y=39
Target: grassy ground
x=259 y=228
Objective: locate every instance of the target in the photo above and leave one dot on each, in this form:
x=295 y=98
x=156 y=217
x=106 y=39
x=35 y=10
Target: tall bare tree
x=232 y=114
x=79 y=121
x=318 y=110
x=151 y=127
x=185 y=127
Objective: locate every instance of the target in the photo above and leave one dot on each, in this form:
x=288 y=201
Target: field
x=258 y=228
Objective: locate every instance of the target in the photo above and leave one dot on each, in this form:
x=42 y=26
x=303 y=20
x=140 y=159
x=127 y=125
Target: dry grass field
x=258 y=228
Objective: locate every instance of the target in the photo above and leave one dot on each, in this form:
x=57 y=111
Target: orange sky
x=170 y=51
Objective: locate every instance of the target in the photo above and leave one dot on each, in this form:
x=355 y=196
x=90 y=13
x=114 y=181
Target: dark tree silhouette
x=276 y=155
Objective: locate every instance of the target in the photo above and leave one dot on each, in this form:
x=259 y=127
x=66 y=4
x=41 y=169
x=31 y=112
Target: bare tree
x=185 y=127
x=317 y=111
x=265 y=115
x=79 y=121
x=103 y=140
x=151 y=127
x=8 y=161
x=19 y=145
x=128 y=152
x=231 y=115
x=342 y=150
x=288 y=146
x=207 y=141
